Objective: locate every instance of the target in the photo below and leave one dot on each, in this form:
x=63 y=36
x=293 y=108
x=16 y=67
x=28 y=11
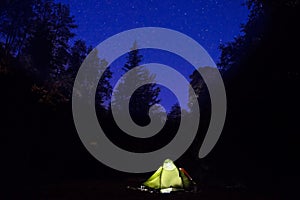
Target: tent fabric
x=169 y=176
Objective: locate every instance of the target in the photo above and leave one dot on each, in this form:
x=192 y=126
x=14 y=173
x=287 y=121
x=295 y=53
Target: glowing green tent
x=170 y=178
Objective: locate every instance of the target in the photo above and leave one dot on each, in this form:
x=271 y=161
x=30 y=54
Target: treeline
x=38 y=65
x=35 y=37
x=261 y=73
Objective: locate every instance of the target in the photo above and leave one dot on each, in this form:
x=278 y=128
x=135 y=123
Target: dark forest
x=256 y=157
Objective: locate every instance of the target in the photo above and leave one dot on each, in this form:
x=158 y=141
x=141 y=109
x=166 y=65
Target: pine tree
x=144 y=97
x=175 y=112
x=16 y=19
x=48 y=44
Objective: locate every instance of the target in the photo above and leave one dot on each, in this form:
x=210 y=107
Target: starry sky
x=209 y=22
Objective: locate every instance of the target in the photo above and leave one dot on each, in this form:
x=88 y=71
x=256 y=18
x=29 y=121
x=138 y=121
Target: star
x=97 y=19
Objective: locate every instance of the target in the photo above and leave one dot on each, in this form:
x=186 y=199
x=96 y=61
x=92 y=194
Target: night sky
x=209 y=22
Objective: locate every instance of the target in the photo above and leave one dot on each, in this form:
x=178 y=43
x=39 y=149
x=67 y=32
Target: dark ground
x=117 y=189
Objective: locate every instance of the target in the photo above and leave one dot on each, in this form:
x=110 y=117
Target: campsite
x=133 y=99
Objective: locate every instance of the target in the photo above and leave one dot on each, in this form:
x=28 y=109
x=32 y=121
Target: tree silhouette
x=15 y=24
x=93 y=65
x=175 y=112
x=47 y=46
x=261 y=78
x=144 y=97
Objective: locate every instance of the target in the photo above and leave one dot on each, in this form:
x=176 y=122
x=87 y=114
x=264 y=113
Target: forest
x=258 y=149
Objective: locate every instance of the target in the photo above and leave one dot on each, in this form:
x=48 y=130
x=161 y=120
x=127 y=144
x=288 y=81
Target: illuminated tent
x=170 y=178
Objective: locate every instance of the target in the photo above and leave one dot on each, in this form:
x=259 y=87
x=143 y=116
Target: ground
x=117 y=189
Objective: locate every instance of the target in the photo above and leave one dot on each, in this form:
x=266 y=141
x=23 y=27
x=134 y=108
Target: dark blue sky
x=209 y=22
